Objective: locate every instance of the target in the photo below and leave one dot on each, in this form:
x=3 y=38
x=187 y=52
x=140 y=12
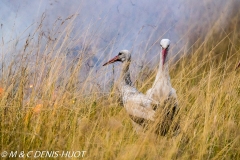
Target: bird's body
x=163 y=92
x=162 y=89
x=137 y=105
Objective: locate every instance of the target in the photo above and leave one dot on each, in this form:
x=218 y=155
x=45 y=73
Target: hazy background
x=128 y=23
x=100 y=29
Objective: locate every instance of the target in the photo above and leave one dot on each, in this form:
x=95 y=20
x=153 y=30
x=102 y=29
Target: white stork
x=138 y=106
x=162 y=90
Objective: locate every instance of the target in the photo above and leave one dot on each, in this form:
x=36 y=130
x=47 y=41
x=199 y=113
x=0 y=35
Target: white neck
x=162 y=72
x=125 y=74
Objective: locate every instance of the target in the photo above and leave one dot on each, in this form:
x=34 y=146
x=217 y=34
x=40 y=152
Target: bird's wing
x=173 y=97
x=173 y=93
x=149 y=92
x=140 y=106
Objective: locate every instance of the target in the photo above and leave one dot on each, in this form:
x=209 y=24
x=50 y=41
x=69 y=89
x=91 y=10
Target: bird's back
x=137 y=104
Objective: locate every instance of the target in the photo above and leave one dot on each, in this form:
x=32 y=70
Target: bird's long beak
x=164 y=55
x=112 y=61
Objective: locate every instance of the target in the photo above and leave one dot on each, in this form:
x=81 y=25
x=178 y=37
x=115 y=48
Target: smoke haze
x=130 y=23
x=101 y=29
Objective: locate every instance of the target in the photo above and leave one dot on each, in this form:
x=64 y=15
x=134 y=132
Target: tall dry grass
x=49 y=103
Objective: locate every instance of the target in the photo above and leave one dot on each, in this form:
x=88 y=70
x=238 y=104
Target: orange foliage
x=37 y=108
x=1 y=91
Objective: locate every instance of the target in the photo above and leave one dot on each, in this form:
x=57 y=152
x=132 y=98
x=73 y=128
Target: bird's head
x=165 y=43
x=123 y=55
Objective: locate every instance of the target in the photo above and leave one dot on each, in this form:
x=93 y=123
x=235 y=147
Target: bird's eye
x=119 y=53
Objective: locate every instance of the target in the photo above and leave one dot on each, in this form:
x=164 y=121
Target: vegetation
x=49 y=103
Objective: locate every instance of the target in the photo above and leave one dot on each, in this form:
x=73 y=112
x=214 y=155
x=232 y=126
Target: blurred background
x=129 y=24
x=98 y=30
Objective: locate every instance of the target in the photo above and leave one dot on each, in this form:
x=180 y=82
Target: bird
x=139 y=107
x=162 y=90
